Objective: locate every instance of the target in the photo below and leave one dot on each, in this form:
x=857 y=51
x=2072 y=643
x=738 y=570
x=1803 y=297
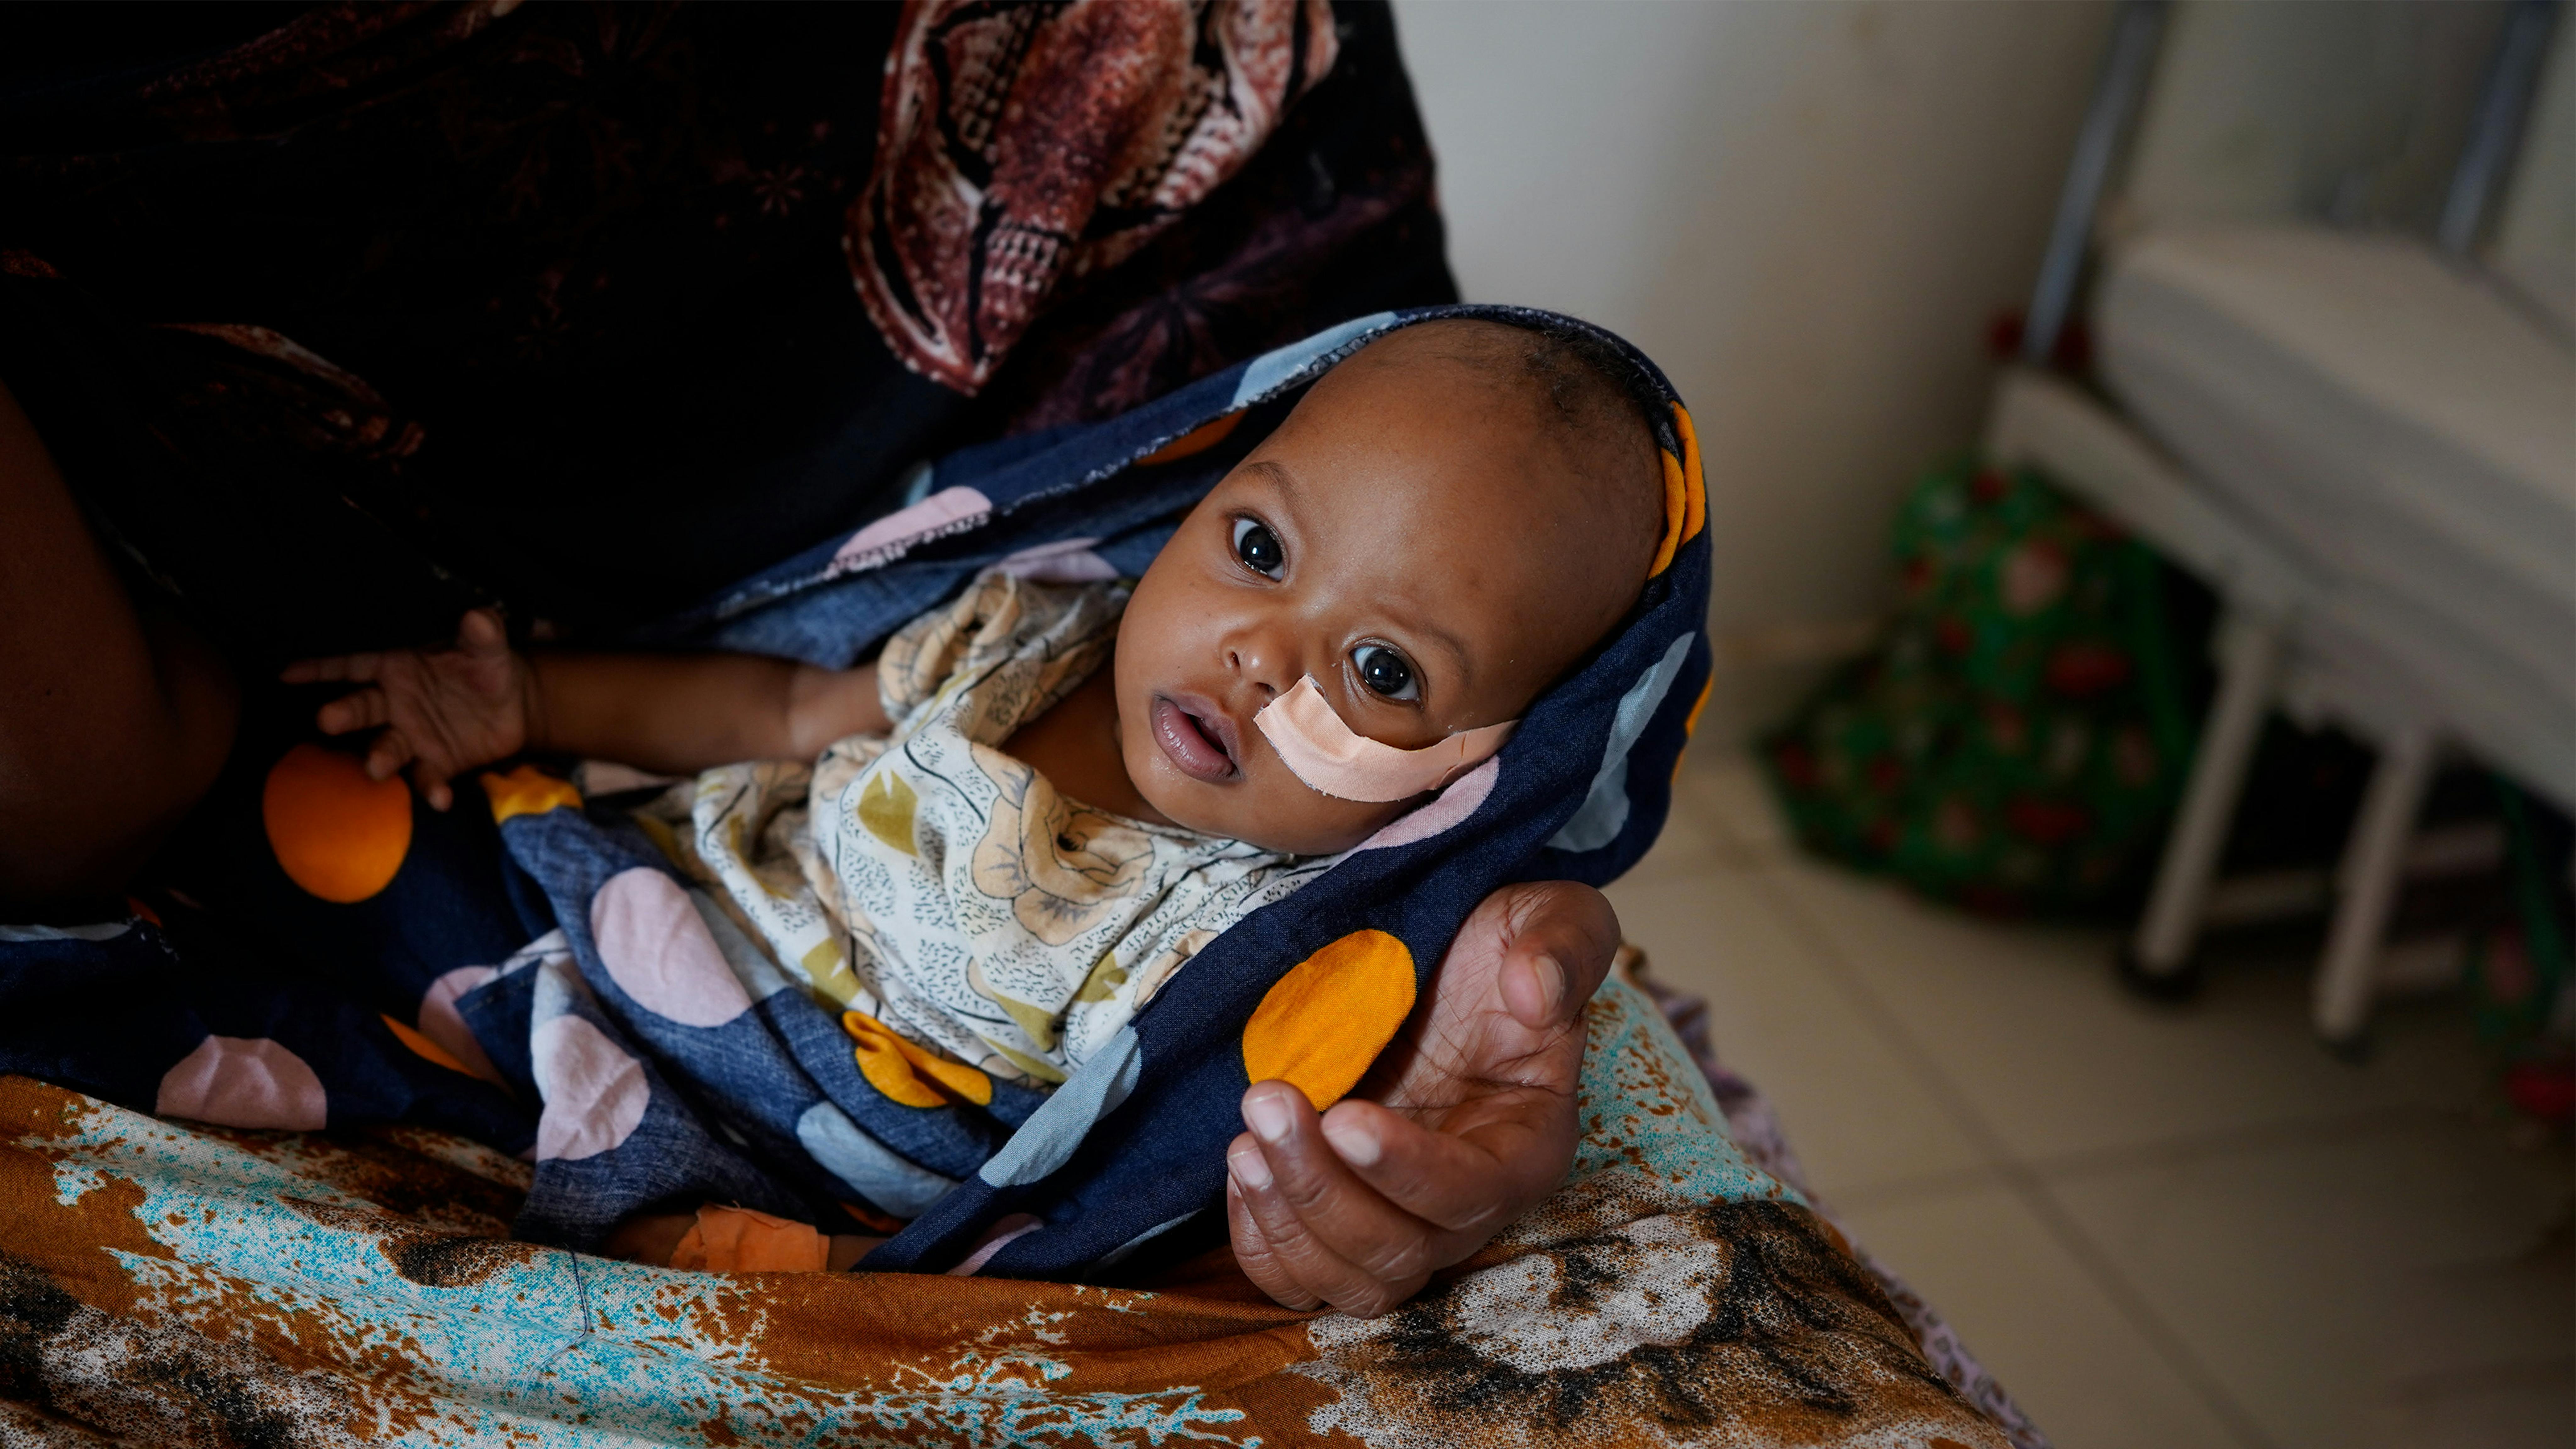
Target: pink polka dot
x=440 y=1023
x=945 y=511
x=997 y=1237
x=1065 y=561
x=235 y=1081
x=1451 y=807
x=656 y=947
x=594 y=1092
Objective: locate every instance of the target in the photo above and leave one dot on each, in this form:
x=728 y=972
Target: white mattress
x=2393 y=423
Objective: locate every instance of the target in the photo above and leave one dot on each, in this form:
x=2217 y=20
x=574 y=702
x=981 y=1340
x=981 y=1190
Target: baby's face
x=1408 y=537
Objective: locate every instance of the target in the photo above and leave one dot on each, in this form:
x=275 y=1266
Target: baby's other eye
x=1386 y=672
x=1259 y=548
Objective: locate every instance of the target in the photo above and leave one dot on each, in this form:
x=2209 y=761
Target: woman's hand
x=1472 y=1124
x=442 y=712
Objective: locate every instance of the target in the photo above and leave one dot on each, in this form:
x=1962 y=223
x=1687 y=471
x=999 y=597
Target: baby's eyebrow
x=1449 y=645
x=1278 y=474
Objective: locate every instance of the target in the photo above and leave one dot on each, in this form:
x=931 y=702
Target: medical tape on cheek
x=1330 y=757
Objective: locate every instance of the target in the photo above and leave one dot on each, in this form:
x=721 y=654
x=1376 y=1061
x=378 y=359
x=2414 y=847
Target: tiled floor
x=2159 y=1227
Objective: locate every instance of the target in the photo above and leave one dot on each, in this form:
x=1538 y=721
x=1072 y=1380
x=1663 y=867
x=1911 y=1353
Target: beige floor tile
x=1857 y=1115
x=2353 y=1289
x=1725 y=790
x=2083 y=1371
x=2058 y=1060
x=1692 y=844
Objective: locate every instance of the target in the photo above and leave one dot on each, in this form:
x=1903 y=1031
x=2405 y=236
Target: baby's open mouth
x=1196 y=736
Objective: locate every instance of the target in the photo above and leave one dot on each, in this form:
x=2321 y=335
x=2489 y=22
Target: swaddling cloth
x=1332 y=757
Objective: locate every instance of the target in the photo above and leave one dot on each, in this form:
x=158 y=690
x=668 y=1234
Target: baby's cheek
x=1281 y=813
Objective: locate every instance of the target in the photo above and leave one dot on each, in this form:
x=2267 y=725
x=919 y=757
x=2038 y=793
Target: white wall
x=2344 y=111
x=1806 y=212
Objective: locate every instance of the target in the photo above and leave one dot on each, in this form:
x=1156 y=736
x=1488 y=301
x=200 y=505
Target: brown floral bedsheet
x=171 y=1285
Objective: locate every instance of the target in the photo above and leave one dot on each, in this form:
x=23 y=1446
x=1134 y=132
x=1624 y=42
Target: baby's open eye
x=1259 y=548
x=1386 y=672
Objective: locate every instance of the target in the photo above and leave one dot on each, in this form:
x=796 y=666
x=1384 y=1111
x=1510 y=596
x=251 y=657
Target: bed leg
x=2158 y=959
x=2366 y=885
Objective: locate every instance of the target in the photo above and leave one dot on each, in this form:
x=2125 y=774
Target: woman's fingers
x=1457 y=1184
x=1331 y=1231
x=1300 y=1256
x=481 y=632
x=1562 y=937
x=1252 y=1253
x=363 y=710
x=336 y=668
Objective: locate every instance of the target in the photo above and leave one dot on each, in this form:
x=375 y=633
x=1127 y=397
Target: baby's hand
x=1473 y=1122
x=442 y=713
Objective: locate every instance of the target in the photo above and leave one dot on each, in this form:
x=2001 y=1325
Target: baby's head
x=1448 y=520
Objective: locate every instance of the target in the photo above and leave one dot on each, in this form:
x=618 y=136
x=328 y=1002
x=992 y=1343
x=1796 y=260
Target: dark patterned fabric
x=2017 y=741
x=593 y=266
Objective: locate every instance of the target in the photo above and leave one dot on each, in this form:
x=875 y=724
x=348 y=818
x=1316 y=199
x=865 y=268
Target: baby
x=1041 y=799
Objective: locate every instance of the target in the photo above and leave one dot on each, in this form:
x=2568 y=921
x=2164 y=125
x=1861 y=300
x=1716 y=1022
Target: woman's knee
x=114 y=716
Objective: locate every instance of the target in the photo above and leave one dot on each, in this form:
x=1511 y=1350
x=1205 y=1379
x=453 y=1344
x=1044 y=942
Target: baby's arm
x=446 y=711
x=682 y=713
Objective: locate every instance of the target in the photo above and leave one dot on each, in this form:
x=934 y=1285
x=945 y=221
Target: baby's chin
x=1285 y=818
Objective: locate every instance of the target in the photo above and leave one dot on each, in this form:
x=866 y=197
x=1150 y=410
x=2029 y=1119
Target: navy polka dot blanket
x=326 y=952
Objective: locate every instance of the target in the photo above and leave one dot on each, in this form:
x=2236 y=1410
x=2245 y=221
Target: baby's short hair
x=1606 y=405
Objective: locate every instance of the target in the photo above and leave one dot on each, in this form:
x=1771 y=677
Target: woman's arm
x=445 y=711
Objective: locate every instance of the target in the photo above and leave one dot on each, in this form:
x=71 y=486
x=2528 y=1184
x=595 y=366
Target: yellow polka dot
x=527 y=790
x=1196 y=440
x=906 y=1073
x=336 y=833
x=426 y=1049
x=1325 y=1021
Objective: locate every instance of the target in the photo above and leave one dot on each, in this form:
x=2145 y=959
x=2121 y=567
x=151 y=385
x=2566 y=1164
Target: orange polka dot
x=1196 y=440
x=336 y=833
x=1690 y=724
x=871 y=1219
x=1321 y=1026
x=526 y=790
x=424 y=1048
x=908 y=1074
x=1694 y=476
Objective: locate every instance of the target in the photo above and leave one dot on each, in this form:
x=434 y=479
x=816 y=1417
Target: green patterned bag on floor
x=2016 y=742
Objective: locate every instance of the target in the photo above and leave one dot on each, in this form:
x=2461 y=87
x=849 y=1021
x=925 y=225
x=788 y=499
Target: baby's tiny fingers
x=334 y=669
x=387 y=755
x=363 y=710
x=433 y=785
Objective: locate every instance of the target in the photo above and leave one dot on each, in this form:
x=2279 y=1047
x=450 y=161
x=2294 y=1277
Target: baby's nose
x=1267 y=659
x=1250 y=667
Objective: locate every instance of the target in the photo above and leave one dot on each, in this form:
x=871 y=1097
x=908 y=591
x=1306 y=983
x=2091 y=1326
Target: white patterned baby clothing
x=940 y=888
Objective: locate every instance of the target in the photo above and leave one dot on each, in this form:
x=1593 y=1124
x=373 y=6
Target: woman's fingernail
x=1267 y=1116
x=1249 y=1167
x=1551 y=983
x=1357 y=1145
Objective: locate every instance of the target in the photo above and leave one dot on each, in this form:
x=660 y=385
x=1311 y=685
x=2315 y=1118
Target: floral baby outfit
x=945 y=891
